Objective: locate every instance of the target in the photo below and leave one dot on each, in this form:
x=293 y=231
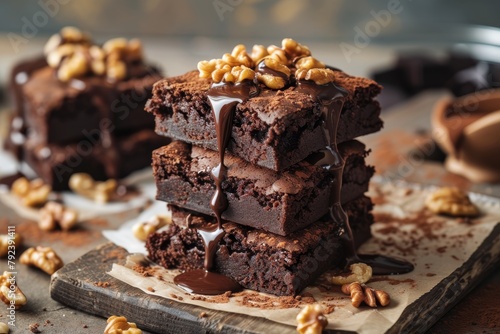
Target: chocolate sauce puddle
x=331 y=98
x=224 y=98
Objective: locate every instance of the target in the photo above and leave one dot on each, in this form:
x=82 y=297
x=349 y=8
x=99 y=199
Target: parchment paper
x=435 y=245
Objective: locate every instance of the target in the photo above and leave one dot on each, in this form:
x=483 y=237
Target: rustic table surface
x=405 y=129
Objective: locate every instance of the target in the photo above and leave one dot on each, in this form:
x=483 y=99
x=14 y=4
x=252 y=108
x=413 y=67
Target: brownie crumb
x=34 y=328
x=203 y=315
x=85 y=326
x=176 y=297
x=150 y=289
x=102 y=284
x=143 y=270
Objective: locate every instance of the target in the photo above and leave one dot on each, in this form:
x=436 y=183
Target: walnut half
x=83 y=184
x=55 y=214
x=10 y=293
x=451 y=201
x=120 y=325
x=359 y=272
x=361 y=293
x=311 y=320
x=31 y=193
x=43 y=258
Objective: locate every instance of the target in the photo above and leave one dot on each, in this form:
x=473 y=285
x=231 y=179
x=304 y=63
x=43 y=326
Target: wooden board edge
x=139 y=307
x=420 y=316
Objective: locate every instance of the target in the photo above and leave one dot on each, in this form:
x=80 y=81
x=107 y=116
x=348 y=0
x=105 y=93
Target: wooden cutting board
x=84 y=285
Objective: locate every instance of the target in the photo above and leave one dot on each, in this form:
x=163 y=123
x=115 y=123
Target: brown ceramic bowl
x=468 y=129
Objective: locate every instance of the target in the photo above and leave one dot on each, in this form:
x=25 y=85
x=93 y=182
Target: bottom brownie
x=55 y=164
x=261 y=260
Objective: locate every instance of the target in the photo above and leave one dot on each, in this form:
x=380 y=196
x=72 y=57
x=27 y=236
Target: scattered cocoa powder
x=394 y=281
x=114 y=254
x=143 y=270
x=76 y=237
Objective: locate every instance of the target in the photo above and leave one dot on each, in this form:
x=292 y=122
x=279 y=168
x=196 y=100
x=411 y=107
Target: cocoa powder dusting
x=77 y=237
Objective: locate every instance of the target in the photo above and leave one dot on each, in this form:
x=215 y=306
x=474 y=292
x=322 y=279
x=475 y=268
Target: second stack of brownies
x=277 y=239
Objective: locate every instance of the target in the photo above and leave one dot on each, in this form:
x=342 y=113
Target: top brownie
x=275 y=129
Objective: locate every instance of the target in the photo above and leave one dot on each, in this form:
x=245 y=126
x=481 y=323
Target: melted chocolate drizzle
x=224 y=98
x=331 y=99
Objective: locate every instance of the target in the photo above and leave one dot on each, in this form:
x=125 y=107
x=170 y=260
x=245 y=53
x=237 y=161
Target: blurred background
x=361 y=37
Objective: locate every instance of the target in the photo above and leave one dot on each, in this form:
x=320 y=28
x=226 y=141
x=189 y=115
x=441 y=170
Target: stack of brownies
x=278 y=239
x=80 y=107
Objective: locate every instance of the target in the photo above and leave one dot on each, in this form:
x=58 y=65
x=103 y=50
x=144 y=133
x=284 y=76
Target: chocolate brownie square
x=256 y=259
x=275 y=129
x=277 y=202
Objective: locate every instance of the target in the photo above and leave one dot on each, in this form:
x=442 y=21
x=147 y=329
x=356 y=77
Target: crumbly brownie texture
x=280 y=203
x=60 y=113
x=256 y=259
x=117 y=159
x=275 y=129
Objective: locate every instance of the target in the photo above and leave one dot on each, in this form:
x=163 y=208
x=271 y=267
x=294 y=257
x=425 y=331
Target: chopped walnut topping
x=72 y=53
x=67 y=35
x=10 y=292
x=55 y=214
x=119 y=325
x=294 y=49
x=311 y=320
x=361 y=293
x=359 y=272
x=43 y=258
x=451 y=201
x=31 y=193
x=270 y=80
x=273 y=57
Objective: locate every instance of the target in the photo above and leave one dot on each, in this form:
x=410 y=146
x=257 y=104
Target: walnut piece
x=4 y=328
x=67 y=35
x=359 y=272
x=43 y=258
x=362 y=293
x=100 y=192
x=6 y=241
x=451 y=201
x=55 y=214
x=320 y=76
x=119 y=52
x=294 y=49
x=31 y=193
x=270 y=80
x=143 y=229
x=119 y=325
x=311 y=320
x=73 y=55
x=10 y=293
